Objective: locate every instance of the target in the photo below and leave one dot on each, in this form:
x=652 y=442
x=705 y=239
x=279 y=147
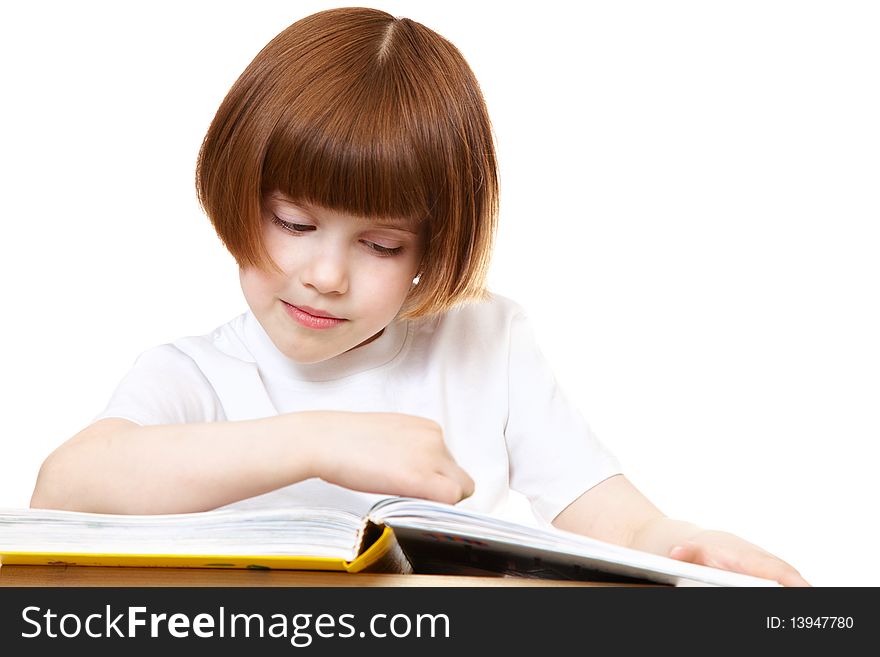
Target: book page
x=475 y=538
x=295 y=531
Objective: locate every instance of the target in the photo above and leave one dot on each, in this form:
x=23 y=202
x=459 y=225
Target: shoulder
x=164 y=357
x=226 y=339
x=181 y=357
x=491 y=313
x=476 y=330
x=167 y=369
x=164 y=386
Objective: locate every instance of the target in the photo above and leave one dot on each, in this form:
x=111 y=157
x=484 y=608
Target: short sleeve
x=164 y=386
x=554 y=456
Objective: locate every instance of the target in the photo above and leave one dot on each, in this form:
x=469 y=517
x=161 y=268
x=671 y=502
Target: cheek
x=256 y=284
x=388 y=285
x=277 y=247
x=399 y=289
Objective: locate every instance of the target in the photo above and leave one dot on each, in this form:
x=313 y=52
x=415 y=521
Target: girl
x=351 y=173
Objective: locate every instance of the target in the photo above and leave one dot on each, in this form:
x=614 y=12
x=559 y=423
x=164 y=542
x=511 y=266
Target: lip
x=312 y=317
x=314 y=312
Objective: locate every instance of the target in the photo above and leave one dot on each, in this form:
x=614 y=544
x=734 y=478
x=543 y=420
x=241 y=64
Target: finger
x=466 y=484
x=444 y=489
x=694 y=553
x=681 y=553
x=793 y=578
x=771 y=567
x=763 y=565
x=461 y=478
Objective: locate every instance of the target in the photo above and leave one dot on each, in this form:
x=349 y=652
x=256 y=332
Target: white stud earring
x=416 y=279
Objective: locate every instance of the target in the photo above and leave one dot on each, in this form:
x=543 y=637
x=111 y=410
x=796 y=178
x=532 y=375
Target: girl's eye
x=298 y=229
x=291 y=227
x=383 y=250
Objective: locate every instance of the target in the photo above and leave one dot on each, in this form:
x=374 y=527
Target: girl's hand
x=722 y=550
x=616 y=512
x=386 y=453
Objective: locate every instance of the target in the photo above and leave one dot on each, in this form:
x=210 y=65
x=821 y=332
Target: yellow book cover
x=289 y=539
x=374 y=555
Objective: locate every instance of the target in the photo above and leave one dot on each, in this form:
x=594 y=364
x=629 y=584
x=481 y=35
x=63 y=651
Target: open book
x=395 y=535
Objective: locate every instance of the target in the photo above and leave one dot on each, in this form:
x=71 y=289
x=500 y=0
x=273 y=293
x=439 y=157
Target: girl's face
x=345 y=278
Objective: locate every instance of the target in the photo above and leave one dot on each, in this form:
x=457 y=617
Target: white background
x=689 y=211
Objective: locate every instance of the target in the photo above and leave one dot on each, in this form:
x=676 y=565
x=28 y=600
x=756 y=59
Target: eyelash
x=298 y=229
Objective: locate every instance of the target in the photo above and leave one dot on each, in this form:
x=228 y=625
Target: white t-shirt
x=475 y=370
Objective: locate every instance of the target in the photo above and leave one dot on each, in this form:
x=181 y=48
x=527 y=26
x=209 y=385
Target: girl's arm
x=117 y=466
x=615 y=511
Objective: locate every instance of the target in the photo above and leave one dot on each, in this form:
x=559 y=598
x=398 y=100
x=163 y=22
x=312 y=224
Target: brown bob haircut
x=360 y=112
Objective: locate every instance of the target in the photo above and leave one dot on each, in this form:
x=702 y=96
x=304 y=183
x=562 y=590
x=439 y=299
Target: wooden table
x=129 y=576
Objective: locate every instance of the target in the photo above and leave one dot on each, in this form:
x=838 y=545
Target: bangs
x=356 y=154
x=360 y=133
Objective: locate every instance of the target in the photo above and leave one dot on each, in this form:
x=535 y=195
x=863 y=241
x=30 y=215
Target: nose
x=326 y=270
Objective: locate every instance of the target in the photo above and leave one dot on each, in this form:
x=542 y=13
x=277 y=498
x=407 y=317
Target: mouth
x=312 y=317
x=314 y=312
